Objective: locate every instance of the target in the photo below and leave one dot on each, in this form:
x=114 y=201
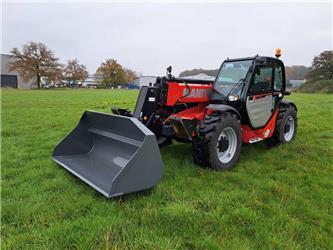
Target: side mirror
x=233 y=98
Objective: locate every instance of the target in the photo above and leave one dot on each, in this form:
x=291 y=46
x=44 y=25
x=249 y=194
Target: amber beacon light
x=277 y=52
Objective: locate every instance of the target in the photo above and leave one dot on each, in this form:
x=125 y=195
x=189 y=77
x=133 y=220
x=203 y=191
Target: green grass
x=274 y=198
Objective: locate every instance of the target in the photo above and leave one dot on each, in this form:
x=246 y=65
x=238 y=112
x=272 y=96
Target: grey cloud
x=148 y=37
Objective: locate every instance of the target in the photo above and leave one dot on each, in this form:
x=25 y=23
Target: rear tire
x=219 y=141
x=285 y=127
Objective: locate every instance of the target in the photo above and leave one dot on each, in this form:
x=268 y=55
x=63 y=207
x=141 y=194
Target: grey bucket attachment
x=113 y=154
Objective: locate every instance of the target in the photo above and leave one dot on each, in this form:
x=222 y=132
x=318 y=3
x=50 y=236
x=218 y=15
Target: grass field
x=274 y=198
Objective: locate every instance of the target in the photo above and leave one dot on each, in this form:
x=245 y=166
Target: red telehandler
x=118 y=154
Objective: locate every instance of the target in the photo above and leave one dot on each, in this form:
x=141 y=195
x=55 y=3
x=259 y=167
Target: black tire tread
x=205 y=134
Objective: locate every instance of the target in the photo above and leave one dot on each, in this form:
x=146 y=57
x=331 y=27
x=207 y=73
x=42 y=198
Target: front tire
x=219 y=141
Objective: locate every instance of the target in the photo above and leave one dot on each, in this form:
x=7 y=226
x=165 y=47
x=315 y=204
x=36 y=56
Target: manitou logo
x=196 y=93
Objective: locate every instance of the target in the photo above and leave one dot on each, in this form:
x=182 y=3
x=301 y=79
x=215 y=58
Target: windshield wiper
x=235 y=88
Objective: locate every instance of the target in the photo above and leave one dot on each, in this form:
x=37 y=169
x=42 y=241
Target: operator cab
x=254 y=86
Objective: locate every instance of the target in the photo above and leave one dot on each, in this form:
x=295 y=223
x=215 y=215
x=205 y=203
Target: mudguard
x=224 y=108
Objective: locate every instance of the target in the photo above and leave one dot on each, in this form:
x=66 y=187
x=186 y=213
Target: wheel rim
x=289 y=128
x=226 y=145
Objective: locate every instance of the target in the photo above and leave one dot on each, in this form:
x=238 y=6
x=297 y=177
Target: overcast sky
x=148 y=37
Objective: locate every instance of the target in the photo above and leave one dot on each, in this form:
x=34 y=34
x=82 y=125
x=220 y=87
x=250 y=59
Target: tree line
x=320 y=75
x=36 y=61
x=193 y=72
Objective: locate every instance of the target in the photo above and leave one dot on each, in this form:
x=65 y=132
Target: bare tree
x=56 y=74
x=75 y=72
x=130 y=75
x=34 y=61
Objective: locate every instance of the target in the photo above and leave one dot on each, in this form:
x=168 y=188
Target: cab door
x=260 y=101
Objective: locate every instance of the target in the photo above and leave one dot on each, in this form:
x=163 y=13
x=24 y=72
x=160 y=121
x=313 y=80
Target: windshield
x=231 y=74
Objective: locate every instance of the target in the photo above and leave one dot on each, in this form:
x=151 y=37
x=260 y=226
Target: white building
x=11 y=79
x=90 y=82
x=144 y=81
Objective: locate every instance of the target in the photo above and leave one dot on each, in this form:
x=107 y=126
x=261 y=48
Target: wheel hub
x=287 y=128
x=226 y=145
x=223 y=144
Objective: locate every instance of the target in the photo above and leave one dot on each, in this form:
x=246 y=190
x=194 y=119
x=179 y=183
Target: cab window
x=262 y=80
x=278 y=78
